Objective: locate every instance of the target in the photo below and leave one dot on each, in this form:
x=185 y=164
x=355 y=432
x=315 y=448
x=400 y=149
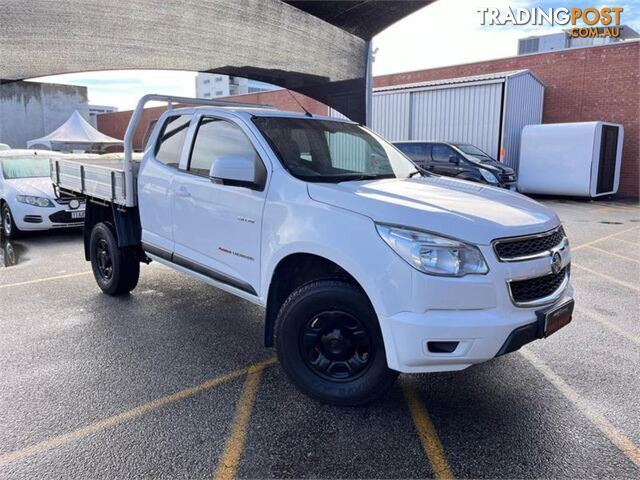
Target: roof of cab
x=255 y=112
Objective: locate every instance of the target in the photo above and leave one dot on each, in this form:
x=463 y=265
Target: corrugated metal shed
x=488 y=111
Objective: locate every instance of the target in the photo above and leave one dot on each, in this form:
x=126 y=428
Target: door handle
x=183 y=193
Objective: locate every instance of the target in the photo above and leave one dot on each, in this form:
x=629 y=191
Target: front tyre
x=9 y=227
x=329 y=343
x=115 y=269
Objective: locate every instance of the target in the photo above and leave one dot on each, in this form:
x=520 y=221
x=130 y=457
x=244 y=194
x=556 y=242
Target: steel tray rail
x=90 y=180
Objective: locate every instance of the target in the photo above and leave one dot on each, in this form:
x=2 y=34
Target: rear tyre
x=115 y=269
x=9 y=227
x=329 y=343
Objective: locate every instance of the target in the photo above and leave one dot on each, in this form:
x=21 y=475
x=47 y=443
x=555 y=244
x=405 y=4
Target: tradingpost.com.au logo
x=599 y=22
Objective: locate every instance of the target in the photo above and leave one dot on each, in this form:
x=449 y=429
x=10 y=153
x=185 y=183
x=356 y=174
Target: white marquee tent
x=74 y=134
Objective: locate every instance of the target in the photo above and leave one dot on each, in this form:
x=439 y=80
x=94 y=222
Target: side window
x=218 y=138
x=424 y=153
x=171 y=141
x=418 y=152
x=441 y=153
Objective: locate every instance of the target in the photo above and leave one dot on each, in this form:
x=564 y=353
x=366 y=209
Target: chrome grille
x=539 y=289
x=524 y=248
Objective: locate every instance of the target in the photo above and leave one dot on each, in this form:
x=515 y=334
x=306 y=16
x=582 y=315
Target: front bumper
x=29 y=218
x=476 y=311
x=480 y=336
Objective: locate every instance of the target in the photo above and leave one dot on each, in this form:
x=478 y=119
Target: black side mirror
x=454 y=159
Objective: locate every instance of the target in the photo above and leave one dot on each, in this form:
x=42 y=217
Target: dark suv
x=460 y=160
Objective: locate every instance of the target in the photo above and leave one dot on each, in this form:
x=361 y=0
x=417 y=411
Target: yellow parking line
x=628 y=448
x=603 y=238
x=610 y=325
x=614 y=254
x=124 y=416
x=228 y=463
x=47 y=279
x=607 y=277
x=427 y=433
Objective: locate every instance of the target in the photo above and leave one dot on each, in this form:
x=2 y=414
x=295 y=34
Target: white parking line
x=619 y=207
x=610 y=325
x=613 y=254
x=603 y=238
x=628 y=448
x=607 y=277
x=628 y=242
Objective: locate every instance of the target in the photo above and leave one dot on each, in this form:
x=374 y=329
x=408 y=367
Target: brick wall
x=115 y=124
x=582 y=84
x=282 y=100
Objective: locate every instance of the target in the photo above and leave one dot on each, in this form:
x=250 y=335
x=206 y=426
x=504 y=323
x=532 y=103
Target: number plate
x=77 y=215
x=555 y=318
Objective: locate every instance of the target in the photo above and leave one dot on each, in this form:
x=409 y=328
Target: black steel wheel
x=329 y=343
x=116 y=269
x=103 y=257
x=336 y=345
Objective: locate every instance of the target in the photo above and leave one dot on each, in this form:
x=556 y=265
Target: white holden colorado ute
x=366 y=266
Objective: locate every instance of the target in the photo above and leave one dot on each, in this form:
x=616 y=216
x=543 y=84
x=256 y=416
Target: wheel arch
x=291 y=272
x=94 y=213
x=125 y=221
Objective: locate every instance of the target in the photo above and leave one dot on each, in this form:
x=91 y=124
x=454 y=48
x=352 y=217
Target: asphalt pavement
x=173 y=381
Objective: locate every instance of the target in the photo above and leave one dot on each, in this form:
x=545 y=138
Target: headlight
x=488 y=176
x=433 y=254
x=35 y=201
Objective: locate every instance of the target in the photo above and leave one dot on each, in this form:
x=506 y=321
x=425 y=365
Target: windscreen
x=329 y=151
x=25 y=167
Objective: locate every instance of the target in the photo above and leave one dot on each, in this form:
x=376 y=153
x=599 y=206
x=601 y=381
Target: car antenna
x=306 y=112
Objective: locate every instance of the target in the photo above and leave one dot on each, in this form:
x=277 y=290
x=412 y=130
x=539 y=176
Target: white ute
x=366 y=266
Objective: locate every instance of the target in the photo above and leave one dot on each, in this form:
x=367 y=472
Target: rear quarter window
x=171 y=140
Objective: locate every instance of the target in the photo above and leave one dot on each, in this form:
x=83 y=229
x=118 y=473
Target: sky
x=447 y=32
